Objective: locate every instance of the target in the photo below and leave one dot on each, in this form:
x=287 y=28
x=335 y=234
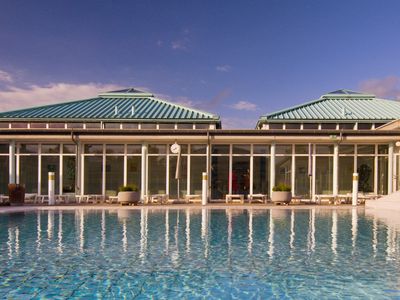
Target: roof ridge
x=294 y=107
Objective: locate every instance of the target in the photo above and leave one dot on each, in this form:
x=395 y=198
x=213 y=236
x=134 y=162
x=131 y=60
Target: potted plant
x=128 y=194
x=281 y=193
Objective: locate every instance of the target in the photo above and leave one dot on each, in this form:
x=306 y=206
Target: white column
x=251 y=171
x=81 y=168
x=11 y=173
x=143 y=184
x=376 y=170
x=272 y=169
x=208 y=169
x=391 y=174
x=336 y=170
x=103 y=185
x=125 y=166
x=293 y=173
x=230 y=170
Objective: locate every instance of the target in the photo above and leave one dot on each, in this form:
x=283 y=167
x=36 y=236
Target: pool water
x=198 y=253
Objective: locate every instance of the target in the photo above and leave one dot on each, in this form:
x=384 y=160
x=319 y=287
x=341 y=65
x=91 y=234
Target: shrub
x=281 y=187
x=128 y=188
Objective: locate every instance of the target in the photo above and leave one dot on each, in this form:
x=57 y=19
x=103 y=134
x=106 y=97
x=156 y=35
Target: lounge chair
x=111 y=197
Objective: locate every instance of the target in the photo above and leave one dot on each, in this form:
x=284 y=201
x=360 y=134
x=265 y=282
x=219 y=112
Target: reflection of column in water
x=10 y=242
x=204 y=230
x=187 y=230
x=143 y=232
x=175 y=254
x=334 y=232
x=250 y=238
x=390 y=242
x=16 y=241
x=271 y=235
x=50 y=224
x=311 y=232
x=60 y=232
x=292 y=232
x=39 y=232
x=81 y=230
x=124 y=236
x=166 y=230
x=229 y=213
x=354 y=224
x=103 y=229
x=375 y=235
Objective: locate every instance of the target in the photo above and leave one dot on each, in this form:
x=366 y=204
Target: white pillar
x=52 y=186
x=11 y=173
x=355 y=189
x=143 y=184
x=336 y=170
x=390 y=169
x=204 y=188
x=272 y=169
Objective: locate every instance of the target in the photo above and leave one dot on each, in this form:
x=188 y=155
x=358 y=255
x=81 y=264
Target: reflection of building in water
x=143 y=232
x=334 y=232
x=187 y=229
x=271 y=235
x=311 y=230
x=60 y=232
x=250 y=237
x=50 y=224
x=354 y=227
x=204 y=229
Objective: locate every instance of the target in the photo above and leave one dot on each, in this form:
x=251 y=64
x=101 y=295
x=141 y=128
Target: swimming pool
x=198 y=253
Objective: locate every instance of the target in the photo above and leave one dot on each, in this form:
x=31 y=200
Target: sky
x=237 y=59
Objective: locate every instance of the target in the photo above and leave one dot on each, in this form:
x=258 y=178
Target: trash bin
x=16 y=193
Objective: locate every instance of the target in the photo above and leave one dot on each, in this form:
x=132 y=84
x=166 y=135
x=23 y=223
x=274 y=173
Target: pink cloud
x=388 y=87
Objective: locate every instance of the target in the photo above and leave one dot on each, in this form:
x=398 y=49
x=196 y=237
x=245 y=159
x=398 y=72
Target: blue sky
x=238 y=59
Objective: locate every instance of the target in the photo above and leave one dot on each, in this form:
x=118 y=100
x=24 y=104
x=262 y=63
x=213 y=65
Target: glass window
x=365 y=170
x=377 y=125
x=364 y=126
x=283 y=170
x=49 y=164
x=240 y=175
x=4 y=148
x=220 y=149
x=115 y=149
x=134 y=165
x=382 y=175
x=56 y=125
x=130 y=125
x=92 y=125
x=241 y=149
x=94 y=148
x=261 y=149
x=93 y=175
x=302 y=180
x=68 y=174
x=283 y=149
x=198 y=165
x=346 y=126
x=346 y=149
x=324 y=149
x=166 y=126
x=114 y=173
x=69 y=149
x=28 y=170
x=310 y=126
x=365 y=149
x=148 y=126
x=202 y=126
x=219 y=177
x=184 y=126
x=4 y=176
x=134 y=149
x=301 y=149
x=47 y=148
x=75 y=125
x=328 y=126
x=157 y=174
x=292 y=126
x=157 y=149
x=345 y=177
x=173 y=183
x=111 y=125
x=324 y=175
x=28 y=148
x=19 y=125
x=261 y=175
x=275 y=126
x=198 y=149
x=383 y=149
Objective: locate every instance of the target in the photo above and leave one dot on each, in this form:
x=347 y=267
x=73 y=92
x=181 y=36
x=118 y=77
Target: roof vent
x=345 y=113
x=116 y=110
x=133 y=111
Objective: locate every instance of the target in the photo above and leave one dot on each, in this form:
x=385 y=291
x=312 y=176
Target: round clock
x=175 y=148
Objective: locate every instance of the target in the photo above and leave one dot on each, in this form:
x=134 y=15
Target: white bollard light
x=204 y=188
x=355 y=189
x=52 y=185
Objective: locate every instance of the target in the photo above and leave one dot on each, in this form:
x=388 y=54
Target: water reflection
x=250 y=237
x=50 y=224
x=143 y=232
x=166 y=231
x=187 y=230
x=311 y=231
x=271 y=235
x=354 y=227
x=334 y=232
x=38 y=232
x=60 y=232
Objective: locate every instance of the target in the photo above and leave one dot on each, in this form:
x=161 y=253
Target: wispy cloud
x=223 y=68
x=244 y=105
x=15 y=97
x=179 y=44
x=5 y=77
x=388 y=87
x=238 y=123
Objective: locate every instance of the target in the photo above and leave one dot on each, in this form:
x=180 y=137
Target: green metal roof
x=339 y=106
x=124 y=105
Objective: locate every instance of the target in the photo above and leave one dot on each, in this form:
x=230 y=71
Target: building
x=123 y=137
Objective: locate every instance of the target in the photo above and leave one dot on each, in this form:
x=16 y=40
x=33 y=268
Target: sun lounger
x=257 y=197
x=230 y=198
